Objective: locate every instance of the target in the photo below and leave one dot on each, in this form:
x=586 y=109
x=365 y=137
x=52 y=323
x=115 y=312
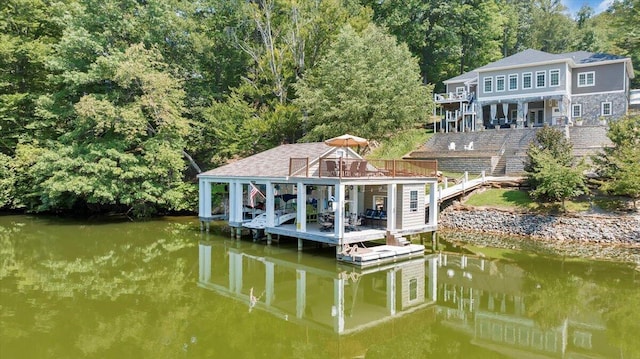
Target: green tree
x=551 y=168
x=620 y=165
x=367 y=84
x=123 y=150
x=625 y=21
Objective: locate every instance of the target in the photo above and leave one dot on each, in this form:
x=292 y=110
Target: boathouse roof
x=273 y=162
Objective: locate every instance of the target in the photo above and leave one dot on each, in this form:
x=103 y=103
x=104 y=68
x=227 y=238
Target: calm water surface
x=161 y=289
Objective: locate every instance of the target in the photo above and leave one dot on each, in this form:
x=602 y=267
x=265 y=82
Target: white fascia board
x=536 y=94
x=522 y=66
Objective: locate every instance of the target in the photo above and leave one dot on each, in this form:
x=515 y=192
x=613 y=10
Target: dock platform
x=377 y=255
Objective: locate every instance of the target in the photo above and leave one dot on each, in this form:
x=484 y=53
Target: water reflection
x=342 y=300
x=162 y=289
x=485 y=304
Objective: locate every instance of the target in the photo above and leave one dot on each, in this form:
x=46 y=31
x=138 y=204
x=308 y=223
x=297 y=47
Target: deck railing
x=355 y=167
x=451 y=96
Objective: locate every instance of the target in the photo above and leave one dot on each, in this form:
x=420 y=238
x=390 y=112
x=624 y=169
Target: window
x=586 y=79
x=459 y=90
x=380 y=203
x=513 y=82
x=526 y=80
x=605 y=109
x=413 y=201
x=554 y=77
x=576 y=110
x=540 y=79
x=500 y=83
x=488 y=84
x=413 y=289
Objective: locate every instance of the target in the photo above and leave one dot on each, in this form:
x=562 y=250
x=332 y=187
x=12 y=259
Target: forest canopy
x=115 y=105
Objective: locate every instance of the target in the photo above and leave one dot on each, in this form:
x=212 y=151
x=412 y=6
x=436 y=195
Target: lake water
x=163 y=289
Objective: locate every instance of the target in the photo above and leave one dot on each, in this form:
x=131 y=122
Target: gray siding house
x=533 y=88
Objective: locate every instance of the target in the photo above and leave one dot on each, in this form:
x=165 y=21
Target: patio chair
x=326 y=225
x=353 y=169
x=362 y=168
x=332 y=169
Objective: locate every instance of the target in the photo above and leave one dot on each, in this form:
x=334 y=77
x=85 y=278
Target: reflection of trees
x=619 y=304
x=554 y=299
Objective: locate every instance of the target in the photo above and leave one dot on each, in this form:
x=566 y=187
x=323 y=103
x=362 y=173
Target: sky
x=597 y=5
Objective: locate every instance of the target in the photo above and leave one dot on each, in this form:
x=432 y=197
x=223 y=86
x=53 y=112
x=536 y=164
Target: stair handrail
x=503 y=148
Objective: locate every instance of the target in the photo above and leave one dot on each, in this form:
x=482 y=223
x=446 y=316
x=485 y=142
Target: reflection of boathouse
x=344 y=300
x=484 y=301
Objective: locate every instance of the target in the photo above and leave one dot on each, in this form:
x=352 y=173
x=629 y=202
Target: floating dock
x=377 y=255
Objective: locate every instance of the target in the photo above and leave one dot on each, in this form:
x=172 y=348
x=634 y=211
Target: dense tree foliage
x=551 y=168
x=116 y=104
x=620 y=165
x=366 y=82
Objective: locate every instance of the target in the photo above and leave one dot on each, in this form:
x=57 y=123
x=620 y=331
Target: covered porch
x=524 y=112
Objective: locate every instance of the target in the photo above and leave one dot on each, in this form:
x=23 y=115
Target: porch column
x=339 y=214
x=270 y=204
x=269 y=282
x=301 y=208
x=391 y=202
x=337 y=311
x=239 y=202
x=301 y=292
x=202 y=197
x=479 y=117
x=233 y=202
x=391 y=292
x=204 y=252
x=433 y=203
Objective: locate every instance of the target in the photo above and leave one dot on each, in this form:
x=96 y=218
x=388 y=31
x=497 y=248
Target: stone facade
x=592 y=107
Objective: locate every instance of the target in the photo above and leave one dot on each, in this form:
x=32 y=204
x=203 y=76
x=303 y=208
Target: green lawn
x=520 y=200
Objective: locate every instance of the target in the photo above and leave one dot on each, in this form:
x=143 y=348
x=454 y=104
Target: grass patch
x=401 y=144
x=518 y=199
x=499 y=197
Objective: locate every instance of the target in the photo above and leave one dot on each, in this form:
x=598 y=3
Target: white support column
x=339 y=214
x=239 y=201
x=269 y=282
x=433 y=278
x=201 y=200
x=204 y=273
x=337 y=311
x=392 y=194
x=238 y=273
x=301 y=208
x=301 y=292
x=433 y=204
x=270 y=204
x=391 y=292
x=234 y=259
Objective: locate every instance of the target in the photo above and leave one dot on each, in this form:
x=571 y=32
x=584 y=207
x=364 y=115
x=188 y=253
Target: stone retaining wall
x=588 y=236
x=584 y=228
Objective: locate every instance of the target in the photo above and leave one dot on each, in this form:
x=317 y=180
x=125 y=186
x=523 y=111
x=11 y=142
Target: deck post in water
x=269 y=239
x=299 y=244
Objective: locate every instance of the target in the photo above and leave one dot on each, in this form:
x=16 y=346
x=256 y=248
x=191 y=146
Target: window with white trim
x=459 y=90
x=586 y=79
x=554 y=78
x=541 y=77
x=605 y=109
x=500 y=83
x=488 y=84
x=513 y=82
x=576 y=110
x=526 y=80
x=413 y=201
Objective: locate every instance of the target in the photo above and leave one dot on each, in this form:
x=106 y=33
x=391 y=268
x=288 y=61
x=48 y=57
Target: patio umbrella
x=346 y=140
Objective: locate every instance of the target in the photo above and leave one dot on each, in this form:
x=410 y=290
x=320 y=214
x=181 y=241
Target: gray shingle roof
x=530 y=57
x=271 y=163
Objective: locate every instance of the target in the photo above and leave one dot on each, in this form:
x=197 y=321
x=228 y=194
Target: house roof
x=271 y=163
x=532 y=57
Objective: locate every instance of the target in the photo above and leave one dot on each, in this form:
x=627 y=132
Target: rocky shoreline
x=608 y=237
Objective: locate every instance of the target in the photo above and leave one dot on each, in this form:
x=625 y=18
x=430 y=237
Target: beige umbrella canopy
x=346 y=140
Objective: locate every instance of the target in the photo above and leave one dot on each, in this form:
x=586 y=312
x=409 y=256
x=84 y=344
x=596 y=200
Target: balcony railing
x=451 y=96
x=359 y=168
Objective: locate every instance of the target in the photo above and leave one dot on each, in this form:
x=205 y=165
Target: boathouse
x=321 y=193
